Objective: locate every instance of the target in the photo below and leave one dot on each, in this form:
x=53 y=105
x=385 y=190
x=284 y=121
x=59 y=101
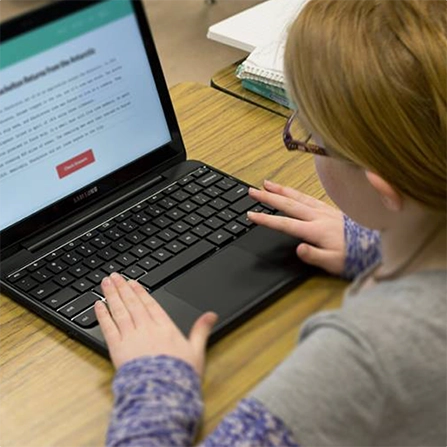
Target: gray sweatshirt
x=372 y=373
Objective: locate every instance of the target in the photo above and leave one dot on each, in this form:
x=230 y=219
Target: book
x=273 y=93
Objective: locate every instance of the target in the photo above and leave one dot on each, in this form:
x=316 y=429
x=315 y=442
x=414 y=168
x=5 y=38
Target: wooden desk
x=56 y=392
x=226 y=81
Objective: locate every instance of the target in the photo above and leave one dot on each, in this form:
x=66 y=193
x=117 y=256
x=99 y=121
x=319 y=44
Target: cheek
x=330 y=178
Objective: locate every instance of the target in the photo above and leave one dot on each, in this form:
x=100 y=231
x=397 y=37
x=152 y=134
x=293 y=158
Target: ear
x=391 y=198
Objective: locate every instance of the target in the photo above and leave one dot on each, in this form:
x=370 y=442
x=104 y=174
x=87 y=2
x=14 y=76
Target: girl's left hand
x=135 y=325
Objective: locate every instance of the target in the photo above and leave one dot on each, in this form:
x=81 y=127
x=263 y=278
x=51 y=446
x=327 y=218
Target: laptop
x=94 y=178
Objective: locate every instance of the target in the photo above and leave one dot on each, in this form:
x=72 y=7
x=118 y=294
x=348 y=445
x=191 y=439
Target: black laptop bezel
x=172 y=152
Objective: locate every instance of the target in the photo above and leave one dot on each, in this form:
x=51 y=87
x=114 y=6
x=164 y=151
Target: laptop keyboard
x=151 y=242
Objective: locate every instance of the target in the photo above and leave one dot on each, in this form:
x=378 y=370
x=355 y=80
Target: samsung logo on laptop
x=85 y=194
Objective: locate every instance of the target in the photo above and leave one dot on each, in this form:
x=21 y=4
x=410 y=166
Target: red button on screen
x=75 y=163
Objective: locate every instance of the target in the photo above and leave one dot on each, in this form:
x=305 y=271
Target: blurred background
x=179 y=28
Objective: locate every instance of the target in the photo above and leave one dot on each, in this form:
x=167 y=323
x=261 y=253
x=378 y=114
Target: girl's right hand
x=320 y=225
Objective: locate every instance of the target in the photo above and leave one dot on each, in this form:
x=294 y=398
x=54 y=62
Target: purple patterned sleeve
x=362 y=248
x=251 y=424
x=158 y=403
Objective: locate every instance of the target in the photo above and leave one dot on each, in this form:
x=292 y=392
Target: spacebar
x=180 y=262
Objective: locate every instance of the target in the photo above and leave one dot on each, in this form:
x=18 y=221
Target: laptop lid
x=84 y=109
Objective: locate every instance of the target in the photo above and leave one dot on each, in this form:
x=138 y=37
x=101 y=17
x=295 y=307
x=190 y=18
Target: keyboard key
x=87 y=319
x=126 y=259
x=26 y=284
x=79 y=304
x=54 y=255
x=42 y=275
x=138 y=208
x=188 y=206
x=162 y=222
x=88 y=236
x=227 y=215
x=182 y=194
x=167 y=203
x=200 y=171
x=180 y=227
x=36 y=265
x=114 y=234
x=188 y=239
x=123 y=216
x=175 y=247
x=111 y=267
x=167 y=235
x=127 y=226
x=133 y=272
x=209 y=178
x=56 y=266
x=107 y=254
x=193 y=219
x=213 y=191
x=96 y=276
x=82 y=285
x=235 y=228
x=140 y=251
x=44 y=290
x=206 y=211
x=93 y=262
x=153 y=243
x=244 y=220
x=201 y=230
x=153 y=210
x=105 y=226
x=78 y=270
x=236 y=193
x=183 y=260
x=185 y=180
x=220 y=237
x=218 y=204
x=64 y=279
x=149 y=229
x=226 y=184
x=161 y=255
x=214 y=223
x=136 y=237
x=61 y=298
x=243 y=205
x=85 y=250
x=100 y=242
x=175 y=214
x=192 y=188
x=71 y=258
x=140 y=218
x=147 y=263
x=72 y=245
x=200 y=199
x=171 y=189
x=121 y=246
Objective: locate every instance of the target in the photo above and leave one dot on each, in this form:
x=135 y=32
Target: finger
x=117 y=308
x=287 y=205
x=294 y=194
x=108 y=326
x=201 y=331
x=330 y=260
x=155 y=311
x=293 y=227
x=131 y=300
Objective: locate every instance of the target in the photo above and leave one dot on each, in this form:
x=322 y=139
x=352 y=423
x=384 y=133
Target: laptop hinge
x=37 y=242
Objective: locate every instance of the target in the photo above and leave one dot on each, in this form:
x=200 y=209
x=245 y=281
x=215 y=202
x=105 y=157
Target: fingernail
x=115 y=275
x=106 y=281
x=268 y=183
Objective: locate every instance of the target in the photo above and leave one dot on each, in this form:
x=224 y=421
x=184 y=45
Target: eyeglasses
x=299 y=145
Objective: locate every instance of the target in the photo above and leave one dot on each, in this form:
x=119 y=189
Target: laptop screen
x=78 y=101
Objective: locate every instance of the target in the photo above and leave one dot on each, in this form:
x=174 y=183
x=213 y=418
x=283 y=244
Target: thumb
x=201 y=330
x=329 y=260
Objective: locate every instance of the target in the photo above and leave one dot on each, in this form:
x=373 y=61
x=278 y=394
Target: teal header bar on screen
x=53 y=34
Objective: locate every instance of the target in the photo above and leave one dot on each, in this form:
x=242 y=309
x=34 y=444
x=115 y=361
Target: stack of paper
x=267 y=25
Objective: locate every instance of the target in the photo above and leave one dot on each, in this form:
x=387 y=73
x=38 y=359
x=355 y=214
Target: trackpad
x=228 y=282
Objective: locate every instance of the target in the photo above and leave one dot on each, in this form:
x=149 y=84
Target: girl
x=369 y=80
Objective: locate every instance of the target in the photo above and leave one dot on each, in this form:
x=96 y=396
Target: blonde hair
x=370 y=78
